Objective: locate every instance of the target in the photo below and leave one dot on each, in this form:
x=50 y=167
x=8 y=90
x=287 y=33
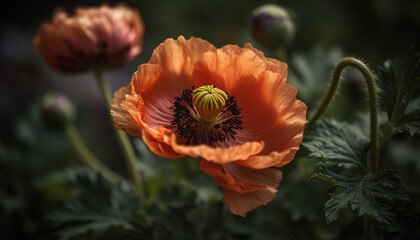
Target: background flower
x=158 y=106
x=94 y=37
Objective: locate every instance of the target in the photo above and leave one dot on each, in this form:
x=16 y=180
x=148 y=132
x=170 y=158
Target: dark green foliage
x=24 y=159
x=398 y=81
x=343 y=154
x=338 y=144
x=411 y=122
x=310 y=72
x=100 y=205
x=107 y=206
x=370 y=195
x=342 y=151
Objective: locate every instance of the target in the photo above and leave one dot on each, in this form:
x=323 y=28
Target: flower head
x=271 y=26
x=95 y=37
x=57 y=110
x=231 y=107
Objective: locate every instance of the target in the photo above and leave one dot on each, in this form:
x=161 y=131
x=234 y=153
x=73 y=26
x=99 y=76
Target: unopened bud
x=271 y=26
x=57 y=110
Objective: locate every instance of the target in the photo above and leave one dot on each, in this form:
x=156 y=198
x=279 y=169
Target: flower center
x=209 y=101
x=206 y=115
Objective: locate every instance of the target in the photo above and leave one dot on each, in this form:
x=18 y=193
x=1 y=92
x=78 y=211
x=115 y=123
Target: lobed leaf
x=397 y=83
x=341 y=149
x=101 y=204
x=338 y=144
x=371 y=195
x=110 y=209
x=411 y=122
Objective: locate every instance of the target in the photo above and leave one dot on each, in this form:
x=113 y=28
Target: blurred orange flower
x=93 y=38
x=230 y=106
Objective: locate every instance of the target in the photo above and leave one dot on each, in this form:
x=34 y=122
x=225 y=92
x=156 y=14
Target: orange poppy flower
x=94 y=38
x=231 y=107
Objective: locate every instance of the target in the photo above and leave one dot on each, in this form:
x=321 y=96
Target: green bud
x=271 y=26
x=57 y=110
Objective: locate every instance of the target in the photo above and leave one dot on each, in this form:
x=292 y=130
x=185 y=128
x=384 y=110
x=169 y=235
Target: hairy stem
x=370 y=80
x=84 y=152
x=122 y=137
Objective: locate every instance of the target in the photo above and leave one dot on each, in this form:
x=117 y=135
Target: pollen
x=209 y=102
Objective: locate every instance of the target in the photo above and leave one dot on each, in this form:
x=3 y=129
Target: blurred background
x=325 y=30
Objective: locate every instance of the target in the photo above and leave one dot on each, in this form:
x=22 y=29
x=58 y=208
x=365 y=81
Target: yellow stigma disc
x=209 y=101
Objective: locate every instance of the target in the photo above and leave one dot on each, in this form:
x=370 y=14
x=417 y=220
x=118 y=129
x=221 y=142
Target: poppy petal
x=226 y=67
x=177 y=58
x=158 y=144
x=121 y=117
x=280 y=126
x=241 y=203
x=218 y=154
x=127 y=109
x=244 y=188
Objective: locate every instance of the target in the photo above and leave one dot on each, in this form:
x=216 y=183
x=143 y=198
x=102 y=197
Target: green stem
x=368 y=228
x=370 y=80
x=122 y=137
x=84 y=152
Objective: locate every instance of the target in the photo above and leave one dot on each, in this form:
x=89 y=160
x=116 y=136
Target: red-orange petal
x=177 y=58
x=121 y=117
x=241 y=203
x=158 y=143
x=279 y=124
x=127 y=110
x=228 y=66
x=244 y=188
x=217 y=154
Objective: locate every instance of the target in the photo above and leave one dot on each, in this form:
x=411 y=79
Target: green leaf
x=411 y=122
x=101 y=204
x=111 y=210
x=369 y=195
x=341 y=149
x=397 y=82
x=338 y=144
x=323 y=177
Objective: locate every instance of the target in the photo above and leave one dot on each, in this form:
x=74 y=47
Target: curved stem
x=122 y=137
x=370 y=80
x=84 y=152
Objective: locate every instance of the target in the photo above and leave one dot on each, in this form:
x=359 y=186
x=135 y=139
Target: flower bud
x=271 y=26
x=57 y=110
x=91 y=38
